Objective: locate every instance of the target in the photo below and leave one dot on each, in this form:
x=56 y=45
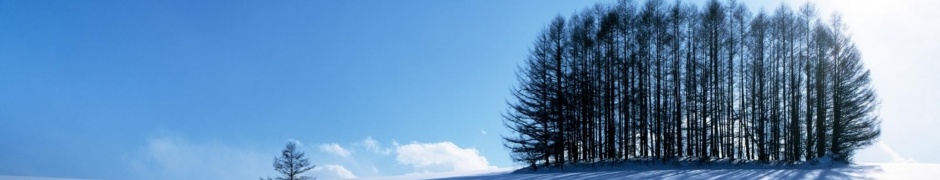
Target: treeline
x=669 y=81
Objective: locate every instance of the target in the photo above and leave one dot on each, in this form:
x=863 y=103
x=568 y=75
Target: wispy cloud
x=174 y=157
x=440 y=157
x=329 y=171
x=335 y=149
x=373 y=145
x=370 y=144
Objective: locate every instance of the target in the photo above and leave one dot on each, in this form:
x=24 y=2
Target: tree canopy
x=664 y=81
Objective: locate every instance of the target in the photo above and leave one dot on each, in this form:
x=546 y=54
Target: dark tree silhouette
x=853 y=98
x=823 y=44
x=537 y=111
x=292 y=164
x=660 y=81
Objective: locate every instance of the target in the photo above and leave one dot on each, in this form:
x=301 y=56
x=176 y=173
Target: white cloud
x=483 y=132
x=335 y=149
x=333 y=171
x=441 y=156
x=173 y=157
x=895 y=157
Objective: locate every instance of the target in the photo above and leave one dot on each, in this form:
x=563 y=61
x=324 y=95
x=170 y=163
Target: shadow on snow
x=688 y=170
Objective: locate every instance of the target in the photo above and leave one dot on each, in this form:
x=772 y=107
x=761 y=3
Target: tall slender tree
x=854 y=122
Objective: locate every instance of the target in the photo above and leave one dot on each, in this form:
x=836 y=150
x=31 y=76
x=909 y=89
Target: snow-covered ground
x=858 y=171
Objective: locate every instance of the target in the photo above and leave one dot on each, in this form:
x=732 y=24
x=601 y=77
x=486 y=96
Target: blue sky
x=214 y=89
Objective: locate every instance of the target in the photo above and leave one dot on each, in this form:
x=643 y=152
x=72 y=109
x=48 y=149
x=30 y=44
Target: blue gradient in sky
x=87 y=87
x=85 y=83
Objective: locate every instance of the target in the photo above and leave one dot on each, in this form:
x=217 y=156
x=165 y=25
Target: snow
x=455 y=174
x=640 y=171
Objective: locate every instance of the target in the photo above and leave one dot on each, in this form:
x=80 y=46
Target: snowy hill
x=859 y=171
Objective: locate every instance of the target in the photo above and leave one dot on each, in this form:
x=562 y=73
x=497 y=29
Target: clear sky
x=214 y=89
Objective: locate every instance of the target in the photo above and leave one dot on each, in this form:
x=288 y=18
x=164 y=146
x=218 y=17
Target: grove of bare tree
x=668 y=81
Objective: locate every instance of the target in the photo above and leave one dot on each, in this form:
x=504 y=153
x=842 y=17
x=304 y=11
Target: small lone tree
x=291 y=164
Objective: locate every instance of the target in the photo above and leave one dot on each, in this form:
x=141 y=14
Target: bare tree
x=292 y=163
